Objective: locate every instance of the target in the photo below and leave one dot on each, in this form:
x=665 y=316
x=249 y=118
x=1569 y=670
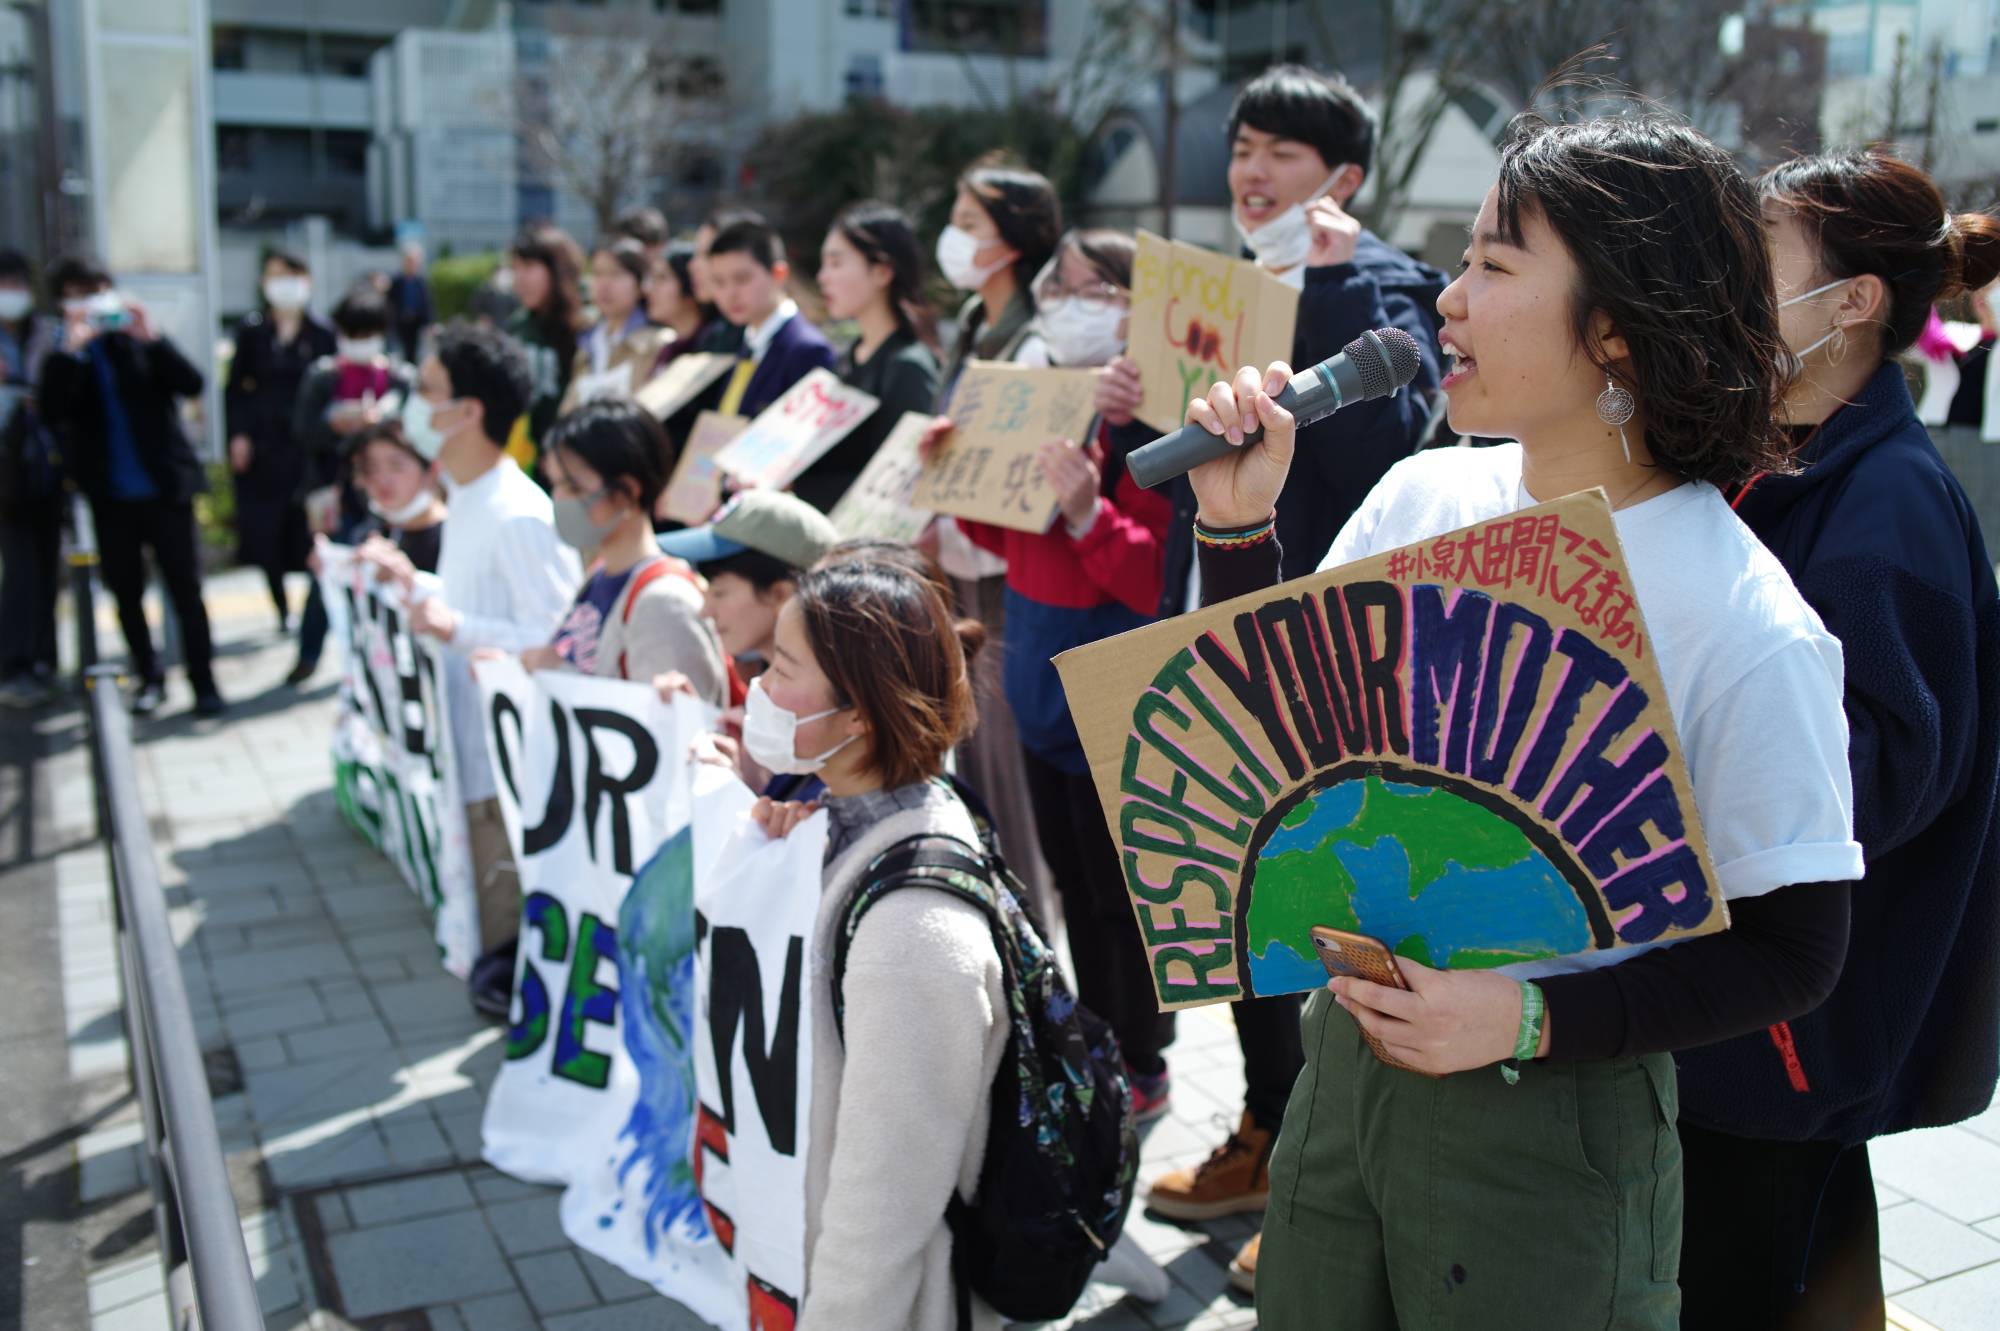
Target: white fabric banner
x=394 y=772
x=592 y=778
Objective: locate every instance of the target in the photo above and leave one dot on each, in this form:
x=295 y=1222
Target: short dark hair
x=1669 y=245
x=619 y=441
x=752 y=236
x=889 y=645
x=78 y=270
x=14 y=264
x=290 y=259
x=1024 y=209
x=882 y=233
x=647 y=225
x=628 y=254
x=1109 y=253
x=723 y=216
x=760 y=570
x=362 y=312
x=491 y=368
x=386 y=431
x=1322 y=111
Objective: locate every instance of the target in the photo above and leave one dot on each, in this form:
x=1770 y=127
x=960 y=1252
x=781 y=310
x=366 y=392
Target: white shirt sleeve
x=540 y=574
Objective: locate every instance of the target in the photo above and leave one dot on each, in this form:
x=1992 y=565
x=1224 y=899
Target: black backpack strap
x=927 y=859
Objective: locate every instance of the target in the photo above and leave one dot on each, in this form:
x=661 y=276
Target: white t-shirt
x=1753 y=679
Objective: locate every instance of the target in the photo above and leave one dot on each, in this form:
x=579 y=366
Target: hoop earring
x=1838 y=351
x=1616 y=406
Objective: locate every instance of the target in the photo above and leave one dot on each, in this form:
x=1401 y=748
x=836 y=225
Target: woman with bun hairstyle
x=867 y=689
x=1614 y=314
x=1882 y=542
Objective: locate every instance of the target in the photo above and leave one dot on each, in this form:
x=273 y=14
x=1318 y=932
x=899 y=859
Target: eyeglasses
x=1102 y=295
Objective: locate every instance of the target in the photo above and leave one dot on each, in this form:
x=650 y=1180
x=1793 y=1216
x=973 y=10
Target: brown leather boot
x=1235 y=1178
x=1243 y=1270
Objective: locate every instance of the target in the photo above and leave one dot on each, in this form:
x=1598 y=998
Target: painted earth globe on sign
x=1450 y=877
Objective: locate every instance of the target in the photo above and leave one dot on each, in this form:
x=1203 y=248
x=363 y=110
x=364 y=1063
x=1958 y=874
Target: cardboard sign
x=394 y=772
x=790 y=435
x=880 y=505
x=1001 y=417
x=1198 y=317
x=685 y=379
x=695 y=490
x=1461 y=748
x=613 y=384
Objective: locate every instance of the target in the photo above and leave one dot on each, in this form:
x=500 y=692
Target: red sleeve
x=1125 y=551
x=985 y=535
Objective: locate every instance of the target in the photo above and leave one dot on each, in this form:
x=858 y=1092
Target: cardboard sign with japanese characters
x=695 y=491
x=1198 y=317
x=1461 y=748
x=685 y=379
x=1001 y=416
x=790 y=435
x=879 y=504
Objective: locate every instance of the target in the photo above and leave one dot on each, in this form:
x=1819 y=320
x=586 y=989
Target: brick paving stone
x=441 y=1259
x=409 y=1198
x=555 y=1283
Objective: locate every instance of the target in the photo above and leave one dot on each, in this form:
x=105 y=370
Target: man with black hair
x=1301 y=145
x=648 y=226
x=504 y=582
x=747 y=273
x=112 y=391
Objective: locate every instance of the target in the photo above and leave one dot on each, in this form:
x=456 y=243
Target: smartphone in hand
x=1360 y=957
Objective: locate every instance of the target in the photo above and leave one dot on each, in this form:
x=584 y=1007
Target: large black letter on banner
x=562 y=799
x=736 y=993
x=596 y=785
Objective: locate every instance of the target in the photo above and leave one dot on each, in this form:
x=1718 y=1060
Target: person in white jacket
x=867 y=688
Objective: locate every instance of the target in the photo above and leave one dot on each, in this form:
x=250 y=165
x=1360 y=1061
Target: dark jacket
x=263 y=385
x=1339 y=459
x=1882 y=542
x=796 y=350
x=409 y=302
x=1000 y=340
x=151 y=377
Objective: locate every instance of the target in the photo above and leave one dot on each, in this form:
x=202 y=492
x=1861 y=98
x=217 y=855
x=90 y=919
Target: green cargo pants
x=1406 y=1203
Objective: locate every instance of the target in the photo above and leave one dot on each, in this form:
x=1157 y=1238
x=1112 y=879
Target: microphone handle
x=1313 y=394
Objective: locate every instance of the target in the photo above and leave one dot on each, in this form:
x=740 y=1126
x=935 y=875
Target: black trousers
x=126 y=532
x=1267 y=1031
x=1114 y=979
x=1778 y=1236
x=30 y=576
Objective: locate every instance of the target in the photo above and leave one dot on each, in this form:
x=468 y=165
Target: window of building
x=1985 y=126
x=864 y=77
x=346 y=57
x=996 y=27
x=347 y=152
x=226 y=48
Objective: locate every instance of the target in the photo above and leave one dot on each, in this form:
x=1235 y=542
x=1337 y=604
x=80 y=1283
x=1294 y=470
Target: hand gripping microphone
x=1373 y=365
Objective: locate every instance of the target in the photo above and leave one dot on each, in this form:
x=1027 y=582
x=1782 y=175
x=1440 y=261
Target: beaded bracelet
x=1236 y=538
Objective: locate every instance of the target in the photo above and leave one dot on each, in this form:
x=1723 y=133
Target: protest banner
x=694 y=491
x=394 y=770
x=790 y=435
x=1198 y=317
x=701 y=1189
x=879 y=505
x=685 y=379
x=591 y=779
x=1001 y=416
x=1461 y=747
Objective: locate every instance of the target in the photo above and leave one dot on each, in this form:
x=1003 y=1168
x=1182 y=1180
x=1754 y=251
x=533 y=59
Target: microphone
x=1373 y=365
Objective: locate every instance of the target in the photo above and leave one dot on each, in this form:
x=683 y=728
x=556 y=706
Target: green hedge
x=454 y=280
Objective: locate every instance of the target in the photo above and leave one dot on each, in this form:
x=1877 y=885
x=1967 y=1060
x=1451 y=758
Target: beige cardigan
x=664 y=630
x=900 y=1107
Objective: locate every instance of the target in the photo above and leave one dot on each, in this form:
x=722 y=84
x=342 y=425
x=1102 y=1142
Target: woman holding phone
x=1464 y=1198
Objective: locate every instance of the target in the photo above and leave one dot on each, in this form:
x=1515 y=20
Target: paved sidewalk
x=350 y=1072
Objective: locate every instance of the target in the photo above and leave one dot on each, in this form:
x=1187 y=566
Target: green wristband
x=1533 y=1006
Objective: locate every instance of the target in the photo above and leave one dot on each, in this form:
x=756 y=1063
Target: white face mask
x=1285 y=240
x=287 y=293
x=958 y=259
x=359 y=350
x=771 y=735
x=419 y=429
x=14 y=303
x=1799 y=357
x=1081 y=332
x=420 y=504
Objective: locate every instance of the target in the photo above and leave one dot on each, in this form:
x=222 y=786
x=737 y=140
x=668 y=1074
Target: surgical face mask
x=287 y=293
x=957 y=259
x=359 y=350
x=574 y=526
x=1081 y=332
x=771 y=735
x=1284 y=241
x=14 y=303
x=419 y=429
x=420 y=504
x=1799 y=357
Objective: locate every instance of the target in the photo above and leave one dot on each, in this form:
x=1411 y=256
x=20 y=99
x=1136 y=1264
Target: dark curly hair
x=1669 y=245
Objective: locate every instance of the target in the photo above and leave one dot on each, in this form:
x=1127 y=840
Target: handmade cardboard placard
x=790 y=435
x=1460 y=747
x=695 y=490
x=684 y=380
x=1001 y=416
x=614 y=384
x=1198 y=317
x=879 y=504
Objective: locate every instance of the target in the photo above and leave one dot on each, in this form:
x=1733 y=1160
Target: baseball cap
x=783 y=526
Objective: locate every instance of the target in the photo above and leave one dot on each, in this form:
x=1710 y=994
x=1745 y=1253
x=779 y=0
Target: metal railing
x=201 y=1236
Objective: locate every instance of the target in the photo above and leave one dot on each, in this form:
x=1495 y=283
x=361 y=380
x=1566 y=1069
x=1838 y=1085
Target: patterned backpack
x=1061 y=1153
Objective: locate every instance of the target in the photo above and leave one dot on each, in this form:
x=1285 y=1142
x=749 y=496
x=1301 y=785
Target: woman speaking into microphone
x=1614 y=314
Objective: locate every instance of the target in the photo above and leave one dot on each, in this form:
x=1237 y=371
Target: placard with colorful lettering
x=1460 y=747
x=694 y=491
x=1197 y=317
x=1001 y=416
x=790 y=435
x=686 y=378
x=880 y=504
